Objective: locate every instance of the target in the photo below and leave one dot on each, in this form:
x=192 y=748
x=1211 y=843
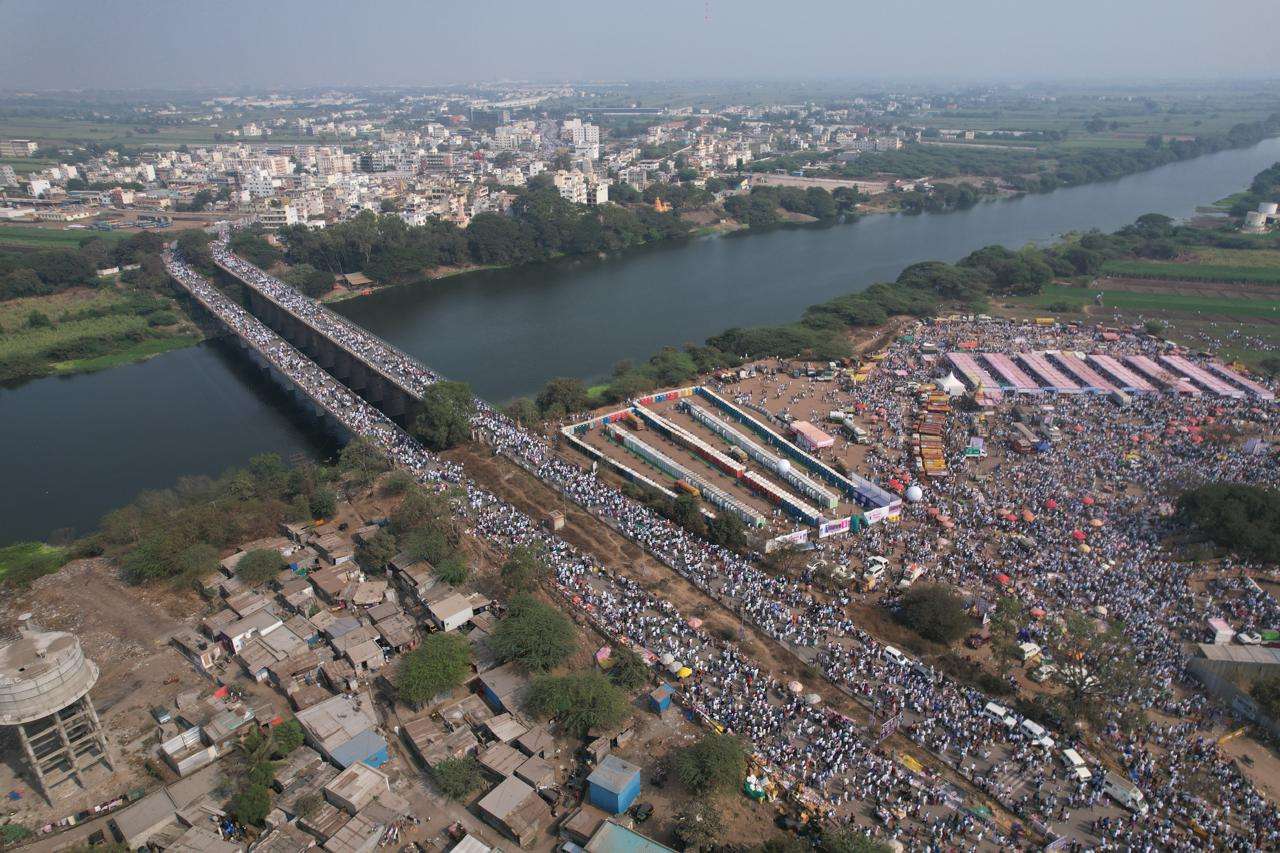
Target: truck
x=1219 y=632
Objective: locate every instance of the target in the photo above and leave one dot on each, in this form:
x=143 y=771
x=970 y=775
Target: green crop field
x=1250 y=258
x=1175 y=271
x=1124 y=300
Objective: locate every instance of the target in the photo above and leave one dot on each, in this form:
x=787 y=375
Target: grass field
x=1123 y=300
x=34 y=237
x=138 y=352
x=13 y=312
x=23 y=562
x=1175 y=271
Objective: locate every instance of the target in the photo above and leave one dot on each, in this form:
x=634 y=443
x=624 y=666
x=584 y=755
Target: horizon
x=68 y=45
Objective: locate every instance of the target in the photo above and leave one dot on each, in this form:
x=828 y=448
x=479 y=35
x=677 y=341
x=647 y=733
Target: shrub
x=457 y=778
x=537 y=636
x=441 y=663
x=581 y=701
x=259 y=565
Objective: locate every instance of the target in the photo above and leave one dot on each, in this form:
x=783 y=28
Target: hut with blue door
x=660 y=698
x=614 y=785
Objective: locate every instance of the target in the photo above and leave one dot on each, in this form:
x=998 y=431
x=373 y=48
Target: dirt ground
x=125 y=631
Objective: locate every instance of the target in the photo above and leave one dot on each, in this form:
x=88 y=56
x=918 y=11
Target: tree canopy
x=717 y=762
x=580 y=701
x=440 y=663
x=443 y=417
x=1245 y=518
x=935 y=612
x=534 y=634
x=259 y=566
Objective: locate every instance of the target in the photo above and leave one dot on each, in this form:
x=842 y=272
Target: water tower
x=44 y=693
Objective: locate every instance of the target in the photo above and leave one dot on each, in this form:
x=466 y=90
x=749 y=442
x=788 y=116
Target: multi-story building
x=8 y=178
x=572 y=186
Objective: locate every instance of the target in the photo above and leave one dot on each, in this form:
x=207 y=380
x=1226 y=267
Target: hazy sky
x=218 y=43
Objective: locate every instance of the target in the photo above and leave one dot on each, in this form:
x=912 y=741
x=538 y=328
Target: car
x=161 y=715
x=1249 y=638
x=896 y=656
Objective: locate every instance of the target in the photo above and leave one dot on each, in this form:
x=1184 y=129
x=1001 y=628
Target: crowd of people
x=824 y=752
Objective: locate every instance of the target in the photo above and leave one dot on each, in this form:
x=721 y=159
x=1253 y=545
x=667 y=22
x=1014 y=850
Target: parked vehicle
x=1125 y=793
x=1075 y=765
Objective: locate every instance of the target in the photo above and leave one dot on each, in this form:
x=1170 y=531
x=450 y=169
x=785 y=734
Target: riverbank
x=83 y=330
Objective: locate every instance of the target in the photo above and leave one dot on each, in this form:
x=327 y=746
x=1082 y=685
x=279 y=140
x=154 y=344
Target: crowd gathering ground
x=1116 y=467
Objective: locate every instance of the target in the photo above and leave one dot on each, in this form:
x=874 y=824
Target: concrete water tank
x=42 y=672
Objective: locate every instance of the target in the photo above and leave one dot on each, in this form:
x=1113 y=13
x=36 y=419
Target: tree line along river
x=78 y=446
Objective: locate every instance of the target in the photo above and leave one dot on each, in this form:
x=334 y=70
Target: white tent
x=954 y=387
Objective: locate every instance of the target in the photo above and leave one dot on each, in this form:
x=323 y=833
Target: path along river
x=76 y=447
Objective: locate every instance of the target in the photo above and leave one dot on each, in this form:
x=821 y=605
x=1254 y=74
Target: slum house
x=259 y=653
x=324 y=821
x=500 y=759
x=304 y=788
x=202 y=839
x=503 y=687
x=343 y=729
x=537 y=742
x=361 y=834
x=363 y=593
x=247 y=603
x=203 y=653
x=284 y=839
x=515 y=809
x=613 y=785
x=357 y=786
x=366 y=658
x=538 y=772
x=450 y=613
x=470 y=710
x=299 y=668
x=432 y=744
x=303 y=696
x=615 y=838
x=241 y=631
x=505 y=727
x=398 y=631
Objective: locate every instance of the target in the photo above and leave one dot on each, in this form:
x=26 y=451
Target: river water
x=76 y=447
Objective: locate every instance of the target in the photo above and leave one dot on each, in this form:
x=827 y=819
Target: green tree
x=38 y=320
x=562 y=396
x=1245 y=518
x=431 y=542
x=458 y=778
x=363 y=460
x=580 y=701
x=443 y=417
x=250 y=805
x=1095 y=665
x=398 y=482
x=453 y=569
x=534 y=634
x=259 y=566
x=323 y=502
x=523 y=411
x=287 y=737
x=377 y=551
x=627 y=669
x=419 y=507
x=717 y=762
x=196 y=561
x=729 y=530
x=935 y=612
x=524 y=569
x=686 y=511
x=440 y=663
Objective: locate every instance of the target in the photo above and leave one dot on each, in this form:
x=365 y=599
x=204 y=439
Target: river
x=79 y=446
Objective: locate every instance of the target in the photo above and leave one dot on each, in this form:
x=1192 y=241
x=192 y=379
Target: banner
x=799 y=537
x=831 y=528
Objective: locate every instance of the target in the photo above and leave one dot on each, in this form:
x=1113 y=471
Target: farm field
x=35 y=237
x=1177 y=271
x=1175 y=299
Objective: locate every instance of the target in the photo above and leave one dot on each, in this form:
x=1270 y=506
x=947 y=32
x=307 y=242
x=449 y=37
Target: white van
x=1125 y=793
x=1000 y=714
x=1037 y=733
x=1075 y=765
x=896 y=656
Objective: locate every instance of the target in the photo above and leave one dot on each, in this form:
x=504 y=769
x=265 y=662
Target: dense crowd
x=830 y=755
